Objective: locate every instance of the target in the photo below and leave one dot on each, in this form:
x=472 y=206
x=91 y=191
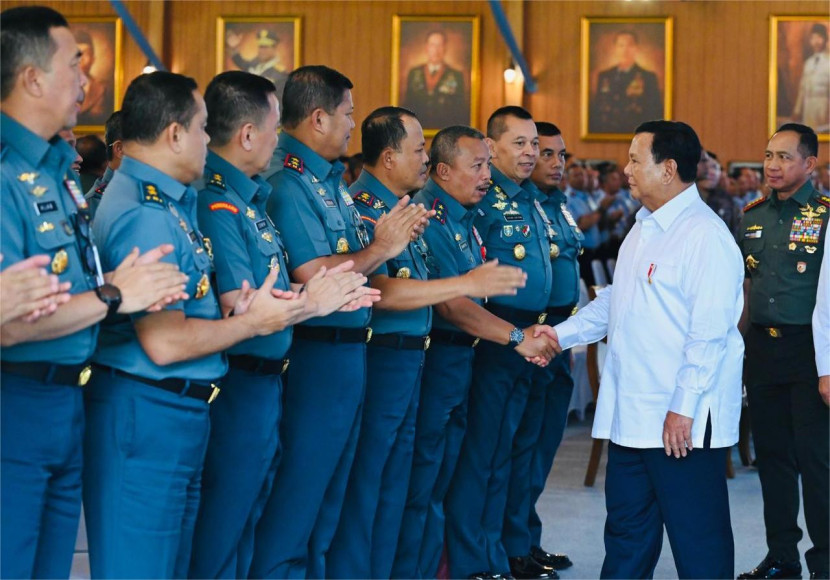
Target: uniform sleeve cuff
x=684 y=402
x=567 y=333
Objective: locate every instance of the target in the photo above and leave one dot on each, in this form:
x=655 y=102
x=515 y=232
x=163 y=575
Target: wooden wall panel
x=721 y=69
x=720 y=72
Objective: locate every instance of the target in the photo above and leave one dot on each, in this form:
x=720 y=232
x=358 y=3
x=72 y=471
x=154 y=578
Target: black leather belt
x=255 y=364
x=401 y=342
x=203 y=392
x=72 y=375
x=333 y=334
x=561 y=310
x=452 y=337
x=519 y=317
x=784 y=329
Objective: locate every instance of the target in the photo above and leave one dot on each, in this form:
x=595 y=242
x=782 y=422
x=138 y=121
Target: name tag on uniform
x=329 y=202
x=261 y=225
x=45 y=207
x=752 y=235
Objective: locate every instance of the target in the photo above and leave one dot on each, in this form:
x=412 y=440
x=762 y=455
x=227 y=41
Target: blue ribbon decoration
x=510 y=41
x=137 y=35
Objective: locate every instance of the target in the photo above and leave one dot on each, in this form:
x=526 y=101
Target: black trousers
x=791 y=431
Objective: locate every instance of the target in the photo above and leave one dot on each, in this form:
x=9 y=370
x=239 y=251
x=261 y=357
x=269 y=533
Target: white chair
x=598 y=270
x=611 y=265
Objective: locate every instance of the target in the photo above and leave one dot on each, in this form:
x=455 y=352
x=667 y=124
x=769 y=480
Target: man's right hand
x=401 y=225
x=490 y=279
x=29 y=292
x=267 y=314
x=146 y=283
x=538 y=345
x=824 y=389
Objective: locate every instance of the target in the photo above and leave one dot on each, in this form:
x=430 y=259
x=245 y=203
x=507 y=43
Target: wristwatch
x=517 y=336
x=111 y=296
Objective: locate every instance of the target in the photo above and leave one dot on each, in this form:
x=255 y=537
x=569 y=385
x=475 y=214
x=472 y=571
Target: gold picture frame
x=240 y=38
x=793 y=95
x=448 y=93
x=626 y=69
x=100 y=40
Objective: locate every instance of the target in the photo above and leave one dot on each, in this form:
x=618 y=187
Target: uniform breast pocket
x=201 y=261
x=753 y=252
x=334 y=220
x=655 y=274
x=517 y=233
x=804 y=259
x=402 y=266
x=58 y=240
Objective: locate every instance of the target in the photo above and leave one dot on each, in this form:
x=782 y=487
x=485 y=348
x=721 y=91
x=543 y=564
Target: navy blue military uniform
x=147 y=425
x=366 y=538
x=42 y=412
x=454 y=249
x=96 y=192
x=243 y=450
x=324 y=388
x=543 y=423
x=511 y=222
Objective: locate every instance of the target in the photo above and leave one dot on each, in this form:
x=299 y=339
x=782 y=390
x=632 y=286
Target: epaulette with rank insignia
x=823 y=200
x=217 y=180
x=440 y=211
x=151 y=194
x=755 y=203
x=365 y=198
x=293 y=162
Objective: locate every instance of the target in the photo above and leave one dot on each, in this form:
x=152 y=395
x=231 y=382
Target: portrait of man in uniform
x=99 y=40
x=800 y=70
x=626 y=81
x=433 y=66
x=268 y=47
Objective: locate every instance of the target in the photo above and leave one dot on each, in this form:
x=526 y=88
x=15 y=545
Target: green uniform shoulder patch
x=150 y=194
x=754 y=204
x=293 y=162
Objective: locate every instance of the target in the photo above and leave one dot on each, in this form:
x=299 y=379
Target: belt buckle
x=575 y=310
x=368 y=334
x=214 y=394
x=285 y=366
x=427 y=342
x=543 y=317
x=84 y=375
x=774 y=332
x=475 y=342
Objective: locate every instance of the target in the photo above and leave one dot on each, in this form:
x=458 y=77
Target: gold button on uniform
x=519 y=252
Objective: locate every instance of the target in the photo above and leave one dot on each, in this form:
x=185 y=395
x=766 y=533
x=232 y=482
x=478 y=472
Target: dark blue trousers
x=646 y=490
x=534 y=448
x=242 y=458
x=319 y=431
x=41 y=425
x=364 y=545
x=478 y=493
x=440 y=427
x=143 y=454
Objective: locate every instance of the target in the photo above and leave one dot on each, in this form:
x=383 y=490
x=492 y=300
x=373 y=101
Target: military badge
x=810 y=249
x=500 y=205
x=208 y=246
x=38 y=190
x=217 y=180
x=46 y=227
x=151 y=194
x=28 y=177
x=808 y=212
x=524 y=230
x=792 y=246
x=507 y=231
x=554 y=251
x=267 y=237
x=347 y=199
x=202 y=287
x=275 y=264
x=250 y=213
x=365 y=198
x=807 y=229
x=519 y=252
x=751 y=262
x=76 y=193
x=59 y=262
x=403 y=273
x=293 y=162
x=342 y=246
x=321 y=191
x=801 y=267
x=220 y=205
x=440 y=211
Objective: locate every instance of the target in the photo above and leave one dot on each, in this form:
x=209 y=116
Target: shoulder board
x=440 y=211
x=150 y=194
x=293 y=162
x=823 y=200
x=217 y=180
x=755 y=203
x=368 y=219
x=223 y=205
x=365 y=198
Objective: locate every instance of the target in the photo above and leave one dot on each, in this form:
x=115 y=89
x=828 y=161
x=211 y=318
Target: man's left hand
x=677 y=434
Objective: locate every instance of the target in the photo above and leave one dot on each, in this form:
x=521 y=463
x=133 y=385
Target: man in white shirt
x=670 y=397
x=821 y=325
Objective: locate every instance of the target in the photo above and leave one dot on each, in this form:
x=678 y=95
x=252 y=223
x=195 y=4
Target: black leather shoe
x=527 y=567
x=819 y=575
x=555 y=561
x=772 y=568
x=489 y=576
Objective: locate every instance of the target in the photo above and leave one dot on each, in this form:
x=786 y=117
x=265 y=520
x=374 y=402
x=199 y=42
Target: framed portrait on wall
x=435 y=69
x=626 y=75
x=799 y=73
x=99 y=40
x=265 y=46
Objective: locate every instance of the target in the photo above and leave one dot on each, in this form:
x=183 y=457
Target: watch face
x=109 y=293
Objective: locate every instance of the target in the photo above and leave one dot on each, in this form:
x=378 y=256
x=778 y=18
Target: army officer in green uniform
x=435 y=90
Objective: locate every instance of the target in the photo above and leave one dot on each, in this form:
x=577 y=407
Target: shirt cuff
x=568 y=334
x=684 y=402
x=823 y=365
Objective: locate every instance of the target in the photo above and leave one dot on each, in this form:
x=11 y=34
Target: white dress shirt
x=671 y=319
x=821 y=314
